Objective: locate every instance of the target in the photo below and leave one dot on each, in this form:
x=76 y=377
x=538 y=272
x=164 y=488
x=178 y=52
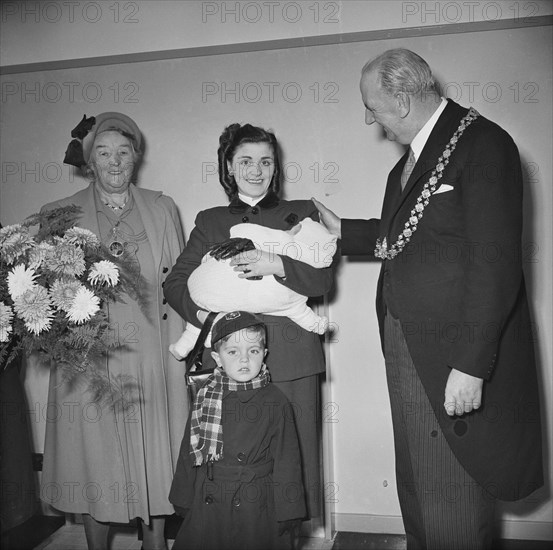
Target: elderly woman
x=114 y=462
x=249 y=171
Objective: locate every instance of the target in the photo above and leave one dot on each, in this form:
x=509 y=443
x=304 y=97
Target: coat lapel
x=394 y=200
x=153 y=217
x=393 y=197
x=154 y=221
x=86 y=200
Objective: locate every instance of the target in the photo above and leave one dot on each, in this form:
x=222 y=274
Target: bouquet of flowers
x=53 y=282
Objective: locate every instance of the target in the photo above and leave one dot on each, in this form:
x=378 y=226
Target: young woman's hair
x=232 y=137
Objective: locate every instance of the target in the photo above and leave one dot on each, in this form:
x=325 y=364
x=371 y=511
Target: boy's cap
x=233 y=322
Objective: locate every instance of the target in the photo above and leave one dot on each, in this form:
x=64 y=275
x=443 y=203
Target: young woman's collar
x=270 y=200
x=251 y=201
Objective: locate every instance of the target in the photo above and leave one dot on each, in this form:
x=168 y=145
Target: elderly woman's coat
x=115 y=459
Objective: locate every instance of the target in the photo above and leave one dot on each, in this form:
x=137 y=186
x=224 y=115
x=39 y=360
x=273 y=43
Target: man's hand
x=330 y=220
x=463 y=393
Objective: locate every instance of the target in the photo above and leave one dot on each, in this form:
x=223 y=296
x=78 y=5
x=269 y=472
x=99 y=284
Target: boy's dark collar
x=270 y=200
x=242 y=395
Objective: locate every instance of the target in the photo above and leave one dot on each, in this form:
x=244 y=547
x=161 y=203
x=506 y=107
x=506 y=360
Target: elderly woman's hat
x=78 y=151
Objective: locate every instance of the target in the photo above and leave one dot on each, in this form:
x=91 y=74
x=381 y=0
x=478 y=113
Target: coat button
x=434 y=433
x=164 y=316
x=241 y=457
x=460 y=428
x=236 y=502
x=245 y=219
x=208 y=499
x=165 y=269
x=164 y=301
x=255 y=210
x=291 y=219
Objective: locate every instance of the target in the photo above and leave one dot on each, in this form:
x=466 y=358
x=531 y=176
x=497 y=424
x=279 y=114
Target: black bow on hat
x=74 y=153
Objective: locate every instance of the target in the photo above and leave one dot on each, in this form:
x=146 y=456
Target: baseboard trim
x=526 y=530
x=367 y=523
x=393 y=525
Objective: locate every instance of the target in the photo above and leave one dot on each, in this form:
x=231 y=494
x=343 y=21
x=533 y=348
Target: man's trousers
x=443 y=507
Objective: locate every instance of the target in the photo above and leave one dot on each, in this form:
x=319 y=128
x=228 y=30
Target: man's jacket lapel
x=394 y=199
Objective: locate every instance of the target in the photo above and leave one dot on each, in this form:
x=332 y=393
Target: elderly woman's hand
x=257 y=263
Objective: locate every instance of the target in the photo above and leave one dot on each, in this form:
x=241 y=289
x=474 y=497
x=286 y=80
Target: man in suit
x=452 y=308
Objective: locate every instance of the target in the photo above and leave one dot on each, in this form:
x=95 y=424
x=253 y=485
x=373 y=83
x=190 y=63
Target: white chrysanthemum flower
x=35 y=308
x=102 y=272
x=84 y=306
x=81 y=236
x=38 y=325
x=38 y=254
x=20 y=280
x=15 y=240
x=63 y=293
x=6 y=316
x=65 y=259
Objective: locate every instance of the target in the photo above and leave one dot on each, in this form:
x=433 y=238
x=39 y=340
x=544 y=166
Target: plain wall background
x=35 y=32
x=309 y=96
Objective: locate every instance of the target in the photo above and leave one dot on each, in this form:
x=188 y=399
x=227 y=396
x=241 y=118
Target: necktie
x=408 y=168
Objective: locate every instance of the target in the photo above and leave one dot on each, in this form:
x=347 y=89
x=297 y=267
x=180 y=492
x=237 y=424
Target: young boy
x=238 y=481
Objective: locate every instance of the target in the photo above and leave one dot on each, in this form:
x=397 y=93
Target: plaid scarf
x=206 y=430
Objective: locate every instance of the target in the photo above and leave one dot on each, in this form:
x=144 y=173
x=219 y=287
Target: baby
x=214 y=285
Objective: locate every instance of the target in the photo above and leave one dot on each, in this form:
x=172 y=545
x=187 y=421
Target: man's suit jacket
x=458 y=290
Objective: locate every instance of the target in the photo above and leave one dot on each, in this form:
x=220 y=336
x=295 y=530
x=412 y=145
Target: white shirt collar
x=421 y=138
x=250 y=200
